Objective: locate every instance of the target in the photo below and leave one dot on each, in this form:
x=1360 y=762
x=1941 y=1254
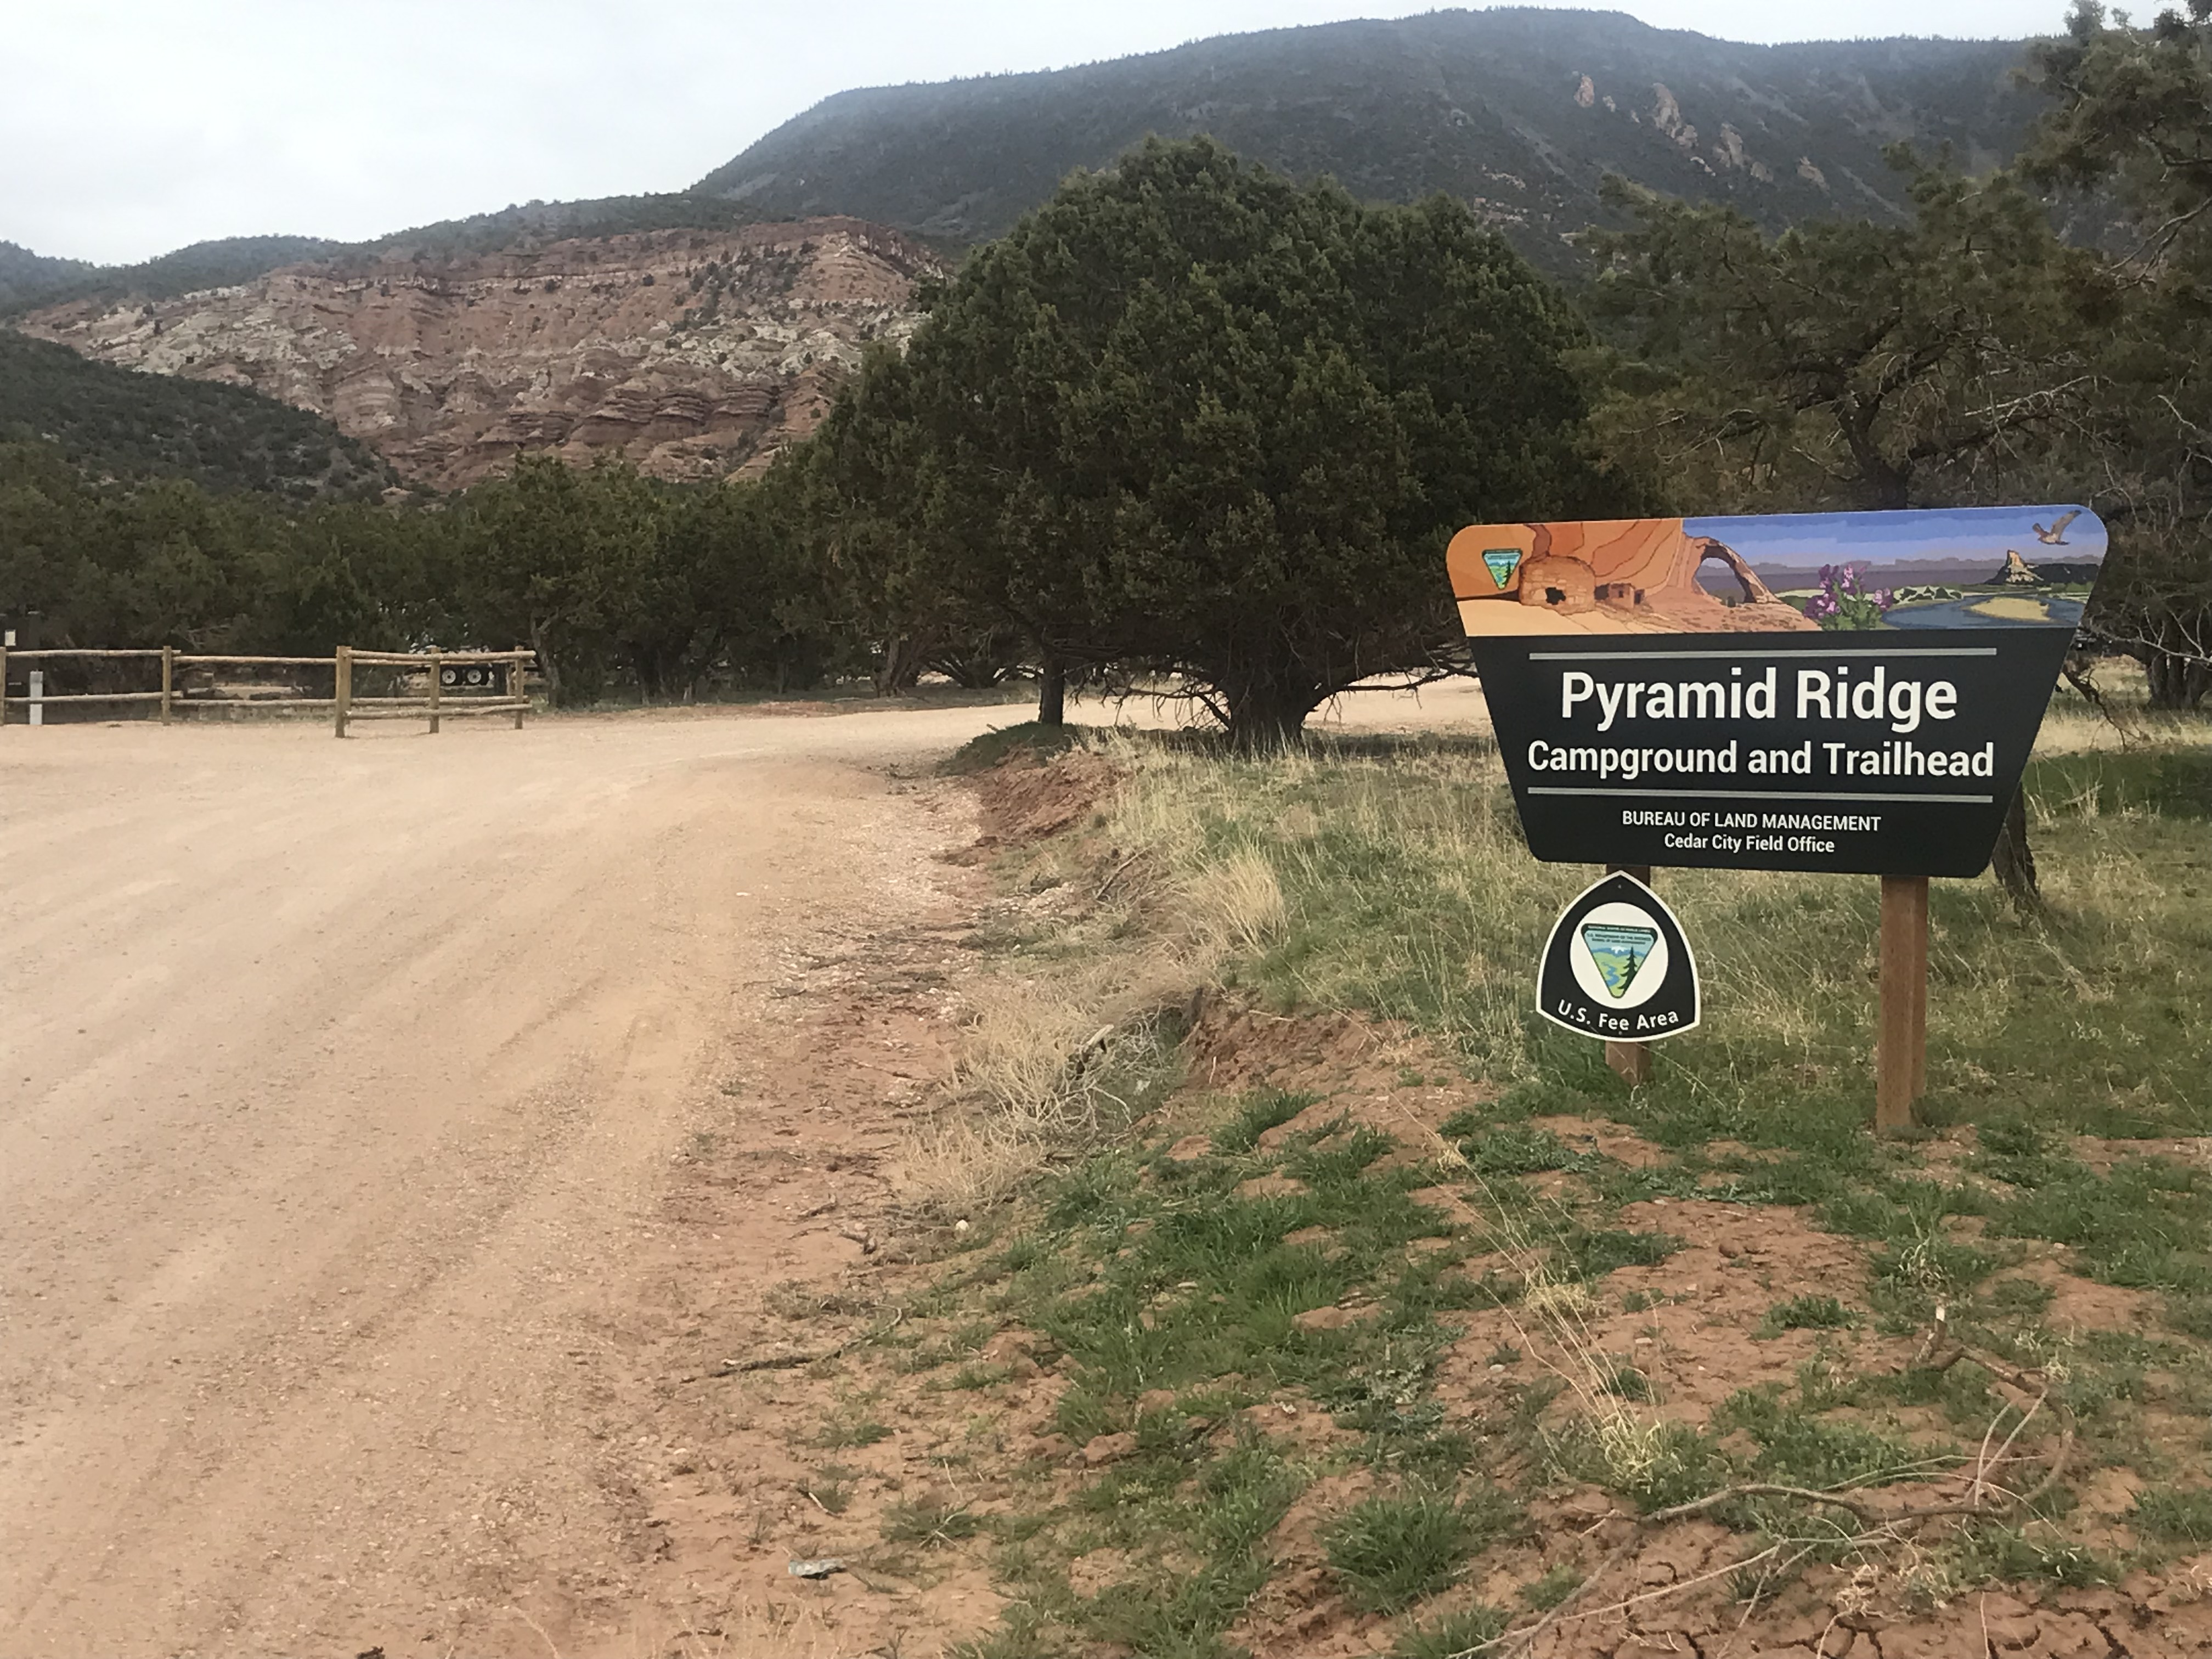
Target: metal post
x=1901 y=1047
x=168 y=680
x=1630 y=1062
x=38 y=697
x=342 y=692
x=4 y=644
x=514 y=684
x=437 y=672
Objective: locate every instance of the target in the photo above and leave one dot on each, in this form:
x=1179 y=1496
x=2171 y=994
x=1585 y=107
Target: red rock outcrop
x=691 y=352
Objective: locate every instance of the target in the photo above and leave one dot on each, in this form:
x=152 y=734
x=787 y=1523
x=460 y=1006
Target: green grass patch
x=1798 y=1446
x=1806 y=1313
x=1392 y=1549
x=1542 y=1594
x=1410 y=893
x=2174 y=1514
x=1407 y=894
x=1452 y=1635
x=1024 y=737
x=930 y=1523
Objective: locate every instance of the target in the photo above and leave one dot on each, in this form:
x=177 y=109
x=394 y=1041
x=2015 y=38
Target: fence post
x=38 y=690
x=514 y=682
x=169 y=679
x=4 y=679
x=437 y=673
x=343 y=687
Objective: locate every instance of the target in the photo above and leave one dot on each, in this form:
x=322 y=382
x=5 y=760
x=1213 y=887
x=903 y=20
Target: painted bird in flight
x=2055 y=536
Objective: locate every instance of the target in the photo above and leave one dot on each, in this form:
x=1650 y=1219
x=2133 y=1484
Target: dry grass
x=1237 y=904
x=1065 y=1041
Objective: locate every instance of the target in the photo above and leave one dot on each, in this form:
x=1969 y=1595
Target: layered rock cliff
x=690 y=352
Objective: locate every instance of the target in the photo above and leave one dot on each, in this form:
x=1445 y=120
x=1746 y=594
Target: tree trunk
x=1266 y=718
x=2175 y=682
x=1052 y=692
x=2013 y=861
x=902 y=665
x=546 y=667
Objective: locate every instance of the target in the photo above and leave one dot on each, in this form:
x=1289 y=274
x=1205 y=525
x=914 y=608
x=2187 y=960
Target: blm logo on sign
x=1832 y=691
x=1618 y=966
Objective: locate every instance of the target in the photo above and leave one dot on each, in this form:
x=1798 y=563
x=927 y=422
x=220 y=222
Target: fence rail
x=436 y=703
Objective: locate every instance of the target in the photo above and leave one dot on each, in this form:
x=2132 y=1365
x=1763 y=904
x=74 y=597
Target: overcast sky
x=130 y=127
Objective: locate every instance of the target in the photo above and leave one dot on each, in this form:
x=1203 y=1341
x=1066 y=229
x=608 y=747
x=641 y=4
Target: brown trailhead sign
x=1618 y=966
x=1820 y=691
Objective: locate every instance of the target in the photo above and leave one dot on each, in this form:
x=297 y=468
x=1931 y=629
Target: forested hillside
x=111 y=422
x=515 y=229
x=1521 y=114
x=23 y=273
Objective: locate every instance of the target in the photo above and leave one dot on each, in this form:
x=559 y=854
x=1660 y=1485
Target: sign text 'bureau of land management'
x=1855 y=692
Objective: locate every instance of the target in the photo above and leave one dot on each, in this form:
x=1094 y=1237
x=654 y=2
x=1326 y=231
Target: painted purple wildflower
x=1845 y=602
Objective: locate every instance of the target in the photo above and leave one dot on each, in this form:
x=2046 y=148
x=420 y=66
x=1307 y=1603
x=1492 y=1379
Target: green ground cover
x=1181 y=1288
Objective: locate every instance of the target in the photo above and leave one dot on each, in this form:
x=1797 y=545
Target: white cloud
x=134 y=127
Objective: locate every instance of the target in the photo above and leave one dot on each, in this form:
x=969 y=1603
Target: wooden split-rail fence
x=435 y=703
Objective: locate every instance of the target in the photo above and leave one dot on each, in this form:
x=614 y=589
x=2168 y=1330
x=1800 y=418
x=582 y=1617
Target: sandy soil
x=346 y=1091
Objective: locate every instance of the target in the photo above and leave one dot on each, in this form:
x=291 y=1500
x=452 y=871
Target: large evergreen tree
x=1849 y=364
x=1191 y=419
x=2132 y=120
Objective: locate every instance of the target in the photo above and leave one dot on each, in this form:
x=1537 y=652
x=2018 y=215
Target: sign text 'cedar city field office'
x=1849 y=692
x=1838 y=691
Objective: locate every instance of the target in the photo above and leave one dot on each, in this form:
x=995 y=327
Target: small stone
x=820 y=1569
x=1108 y=1448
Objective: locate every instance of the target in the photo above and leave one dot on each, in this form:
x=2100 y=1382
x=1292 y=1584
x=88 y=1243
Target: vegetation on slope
x=237 y=260
x=1488 y=106
x=23 y=273
x=1438 y=1321
x=111 y=422
x=614 y=579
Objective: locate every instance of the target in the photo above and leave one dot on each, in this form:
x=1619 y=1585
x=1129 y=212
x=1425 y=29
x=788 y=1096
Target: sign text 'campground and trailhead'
x=1858 y=692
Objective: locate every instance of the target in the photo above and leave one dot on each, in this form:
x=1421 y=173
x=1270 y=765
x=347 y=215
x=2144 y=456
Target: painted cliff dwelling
x=1614 y=576
x=1932 y=567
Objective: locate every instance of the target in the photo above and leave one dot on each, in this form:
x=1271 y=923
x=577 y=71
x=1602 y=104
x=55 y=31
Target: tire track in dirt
x=346 y=1093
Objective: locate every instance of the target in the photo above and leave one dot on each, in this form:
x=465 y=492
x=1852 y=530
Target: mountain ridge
x=23 y=273
x=450 y=347
x=226 y=262
x=1517 y=121
x=1520 y=112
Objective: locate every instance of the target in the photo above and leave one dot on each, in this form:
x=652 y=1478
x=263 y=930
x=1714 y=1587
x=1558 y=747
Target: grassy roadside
x=1408 y=1353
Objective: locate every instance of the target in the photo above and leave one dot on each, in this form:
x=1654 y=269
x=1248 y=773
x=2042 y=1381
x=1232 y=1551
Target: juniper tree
x=1190 y=418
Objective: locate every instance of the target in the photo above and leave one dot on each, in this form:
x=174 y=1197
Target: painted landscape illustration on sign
x=1990 y=567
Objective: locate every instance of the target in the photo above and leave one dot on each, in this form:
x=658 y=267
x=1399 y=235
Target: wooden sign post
x=1901 y=1045
x=1839 y=693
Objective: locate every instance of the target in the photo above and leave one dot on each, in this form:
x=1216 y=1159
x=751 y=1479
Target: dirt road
x=338 y=1081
